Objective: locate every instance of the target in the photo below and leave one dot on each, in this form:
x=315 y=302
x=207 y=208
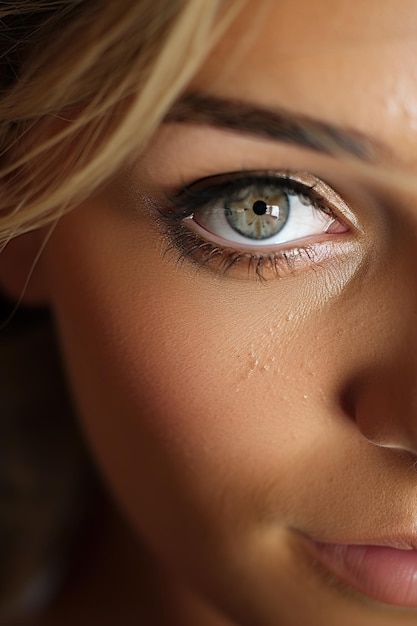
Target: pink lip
x=382 y=572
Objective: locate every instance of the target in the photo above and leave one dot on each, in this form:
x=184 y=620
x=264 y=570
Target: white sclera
x=236 y=222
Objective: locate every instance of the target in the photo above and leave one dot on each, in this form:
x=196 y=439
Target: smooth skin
x=229 y=414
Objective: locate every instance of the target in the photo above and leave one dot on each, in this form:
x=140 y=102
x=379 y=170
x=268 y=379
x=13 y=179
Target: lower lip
x=383 y=573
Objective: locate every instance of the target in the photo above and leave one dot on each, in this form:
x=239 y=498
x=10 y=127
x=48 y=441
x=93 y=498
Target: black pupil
x=259 y=207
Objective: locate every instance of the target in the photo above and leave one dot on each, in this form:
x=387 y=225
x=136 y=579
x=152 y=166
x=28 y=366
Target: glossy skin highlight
x=228 y=414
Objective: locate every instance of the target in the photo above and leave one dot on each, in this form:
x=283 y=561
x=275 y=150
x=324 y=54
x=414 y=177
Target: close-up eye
x=258 y=220
x=255 y=211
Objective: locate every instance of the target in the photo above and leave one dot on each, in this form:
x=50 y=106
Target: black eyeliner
x=198 y=194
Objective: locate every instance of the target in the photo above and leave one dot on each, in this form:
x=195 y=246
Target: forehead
x=347 y=62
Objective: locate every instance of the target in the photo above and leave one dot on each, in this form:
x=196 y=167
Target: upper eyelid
x=224 y=178
x=191 y=196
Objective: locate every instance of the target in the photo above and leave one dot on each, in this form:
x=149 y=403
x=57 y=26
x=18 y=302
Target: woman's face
x=243 y=356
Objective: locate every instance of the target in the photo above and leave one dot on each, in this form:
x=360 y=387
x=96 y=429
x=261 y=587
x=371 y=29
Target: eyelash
x=191 y=199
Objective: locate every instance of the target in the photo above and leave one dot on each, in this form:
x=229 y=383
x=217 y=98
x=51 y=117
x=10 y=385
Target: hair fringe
x=66 y=126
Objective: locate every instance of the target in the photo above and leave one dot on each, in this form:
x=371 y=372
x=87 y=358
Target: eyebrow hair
x=276 y=124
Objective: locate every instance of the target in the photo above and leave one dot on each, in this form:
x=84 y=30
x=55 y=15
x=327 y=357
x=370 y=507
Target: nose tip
x=383 y=405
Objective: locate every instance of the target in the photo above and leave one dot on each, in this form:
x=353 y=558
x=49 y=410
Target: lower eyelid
x=248 y=248
x=310 y=221
x=189 y=247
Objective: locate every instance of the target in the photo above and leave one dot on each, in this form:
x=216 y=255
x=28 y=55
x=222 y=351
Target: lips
x=382 y=572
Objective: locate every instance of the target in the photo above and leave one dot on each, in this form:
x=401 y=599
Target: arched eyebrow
x=276 y=124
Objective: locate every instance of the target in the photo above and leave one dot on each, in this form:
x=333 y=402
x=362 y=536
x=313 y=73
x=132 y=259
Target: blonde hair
x=87 y=82
x=83 y=84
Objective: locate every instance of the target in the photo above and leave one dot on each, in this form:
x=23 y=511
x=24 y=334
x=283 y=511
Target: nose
x=383 y=403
